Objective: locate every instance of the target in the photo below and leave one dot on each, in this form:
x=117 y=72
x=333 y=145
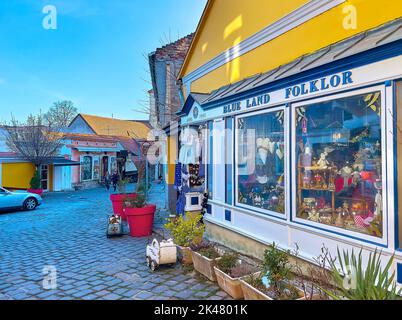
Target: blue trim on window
x=381 y=53
x=228 y=215
x=209 y=209
x=229 y=167
x=396 y=198
x=210 y=160
x=399 y=272
x=195 y=201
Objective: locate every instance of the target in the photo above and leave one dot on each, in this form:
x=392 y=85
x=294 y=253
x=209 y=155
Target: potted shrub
x=273 y=282
x=228 y=270
x=140 y=216
x=186 y=231
x=118 y=199
x=204 y=258
x=35 y=184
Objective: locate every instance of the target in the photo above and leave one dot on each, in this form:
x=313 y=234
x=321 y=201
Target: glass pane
x=229 y=161
x=86 y=168
x=398 y=133
x=339 y=176
x=260 y=161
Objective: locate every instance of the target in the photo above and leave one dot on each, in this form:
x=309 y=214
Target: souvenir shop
x=306 y=158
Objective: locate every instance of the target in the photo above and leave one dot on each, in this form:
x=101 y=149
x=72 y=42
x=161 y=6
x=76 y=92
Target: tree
x=61 y=113
x=37 y=140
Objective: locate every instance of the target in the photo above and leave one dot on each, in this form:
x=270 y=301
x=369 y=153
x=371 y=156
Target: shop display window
x=338 y=163
x=86 y=168
x=260 y=165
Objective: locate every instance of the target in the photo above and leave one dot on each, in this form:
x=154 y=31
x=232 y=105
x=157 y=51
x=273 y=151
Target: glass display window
x=338 y=163
x=86 y=168
x=260 y=161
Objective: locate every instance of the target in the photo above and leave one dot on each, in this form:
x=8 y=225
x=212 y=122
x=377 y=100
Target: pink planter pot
x=118 y=203
x=39 y=192
x=140 y=220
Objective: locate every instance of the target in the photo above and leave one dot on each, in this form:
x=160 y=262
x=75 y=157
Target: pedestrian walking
x=115 y=179
x=107 y=181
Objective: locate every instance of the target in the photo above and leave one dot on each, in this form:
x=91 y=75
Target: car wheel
x=30 y=204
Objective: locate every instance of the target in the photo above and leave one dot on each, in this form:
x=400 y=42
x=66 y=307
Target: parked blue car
x=18 y=200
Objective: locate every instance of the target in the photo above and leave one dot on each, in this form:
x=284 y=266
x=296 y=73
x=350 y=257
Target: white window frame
x=333 y=229
x=282 y=216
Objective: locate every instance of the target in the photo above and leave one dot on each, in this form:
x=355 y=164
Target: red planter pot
x=141 y=220
x=118 y=203
x=39 y=192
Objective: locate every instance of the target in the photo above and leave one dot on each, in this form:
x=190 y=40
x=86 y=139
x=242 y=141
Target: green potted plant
x=35 y=186
x=369 y=282
x=229 y=270
x=118 y=199
x=204 y=258
x=273 y=282
x=186 y=231
x=140 y=215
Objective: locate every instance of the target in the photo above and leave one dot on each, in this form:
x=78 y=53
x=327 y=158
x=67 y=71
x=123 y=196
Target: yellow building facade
x=319 y=83
x=230 y=43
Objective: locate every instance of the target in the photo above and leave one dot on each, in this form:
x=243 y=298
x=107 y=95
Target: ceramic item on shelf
x=313 y=215
x=323 y=162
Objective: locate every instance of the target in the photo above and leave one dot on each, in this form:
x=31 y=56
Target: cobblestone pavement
x=68 y=232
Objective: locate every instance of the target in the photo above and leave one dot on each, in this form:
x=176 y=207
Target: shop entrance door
x=105 y=166
x=44 y=177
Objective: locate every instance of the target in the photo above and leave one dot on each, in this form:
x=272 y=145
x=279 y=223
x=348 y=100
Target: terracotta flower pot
x=185 y=255
x=228 y=284
x=140 y=220
x=204 y=265
x=39 y=192
x=118 y=203
x=251 y=293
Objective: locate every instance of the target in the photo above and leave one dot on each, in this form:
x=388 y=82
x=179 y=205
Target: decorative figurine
x=346 y=173
x=323 y=163
x=313 y=215
x=318 y=180
x=378 y=199
x=307 y=179
x=257 y=201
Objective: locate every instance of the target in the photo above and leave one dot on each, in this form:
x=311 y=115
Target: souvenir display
x=261 y=177
x=339 y=165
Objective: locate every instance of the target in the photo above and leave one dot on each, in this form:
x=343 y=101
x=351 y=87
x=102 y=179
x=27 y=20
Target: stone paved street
x=68 y=232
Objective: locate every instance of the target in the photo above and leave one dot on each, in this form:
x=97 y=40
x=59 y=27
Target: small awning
x=95 y=149
x=62 y=162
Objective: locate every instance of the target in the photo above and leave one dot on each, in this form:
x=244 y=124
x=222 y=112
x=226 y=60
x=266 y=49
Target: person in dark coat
x=115 y=179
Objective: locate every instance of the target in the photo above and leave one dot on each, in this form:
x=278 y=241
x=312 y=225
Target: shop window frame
x=282 y=216
x=293 y=170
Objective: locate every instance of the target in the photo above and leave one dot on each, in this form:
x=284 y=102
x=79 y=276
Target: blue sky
x=96 y=57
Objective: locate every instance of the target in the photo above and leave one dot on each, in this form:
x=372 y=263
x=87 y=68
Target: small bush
x=227 y=262
x=205 y=249
x=138 y=201
x=35 y=181
x=186 y=230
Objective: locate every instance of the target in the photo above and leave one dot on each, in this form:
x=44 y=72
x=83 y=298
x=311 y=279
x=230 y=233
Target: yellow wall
x=17 y=175
x=172 y=156
x=256 y=14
